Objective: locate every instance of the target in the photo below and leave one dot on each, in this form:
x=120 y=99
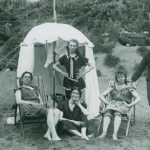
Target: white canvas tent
x=38 y=58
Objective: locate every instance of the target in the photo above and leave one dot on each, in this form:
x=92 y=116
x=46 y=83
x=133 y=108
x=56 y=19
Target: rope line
x=11 y=59
x=9 y=53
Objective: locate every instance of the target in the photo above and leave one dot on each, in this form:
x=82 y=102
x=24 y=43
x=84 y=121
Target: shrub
x=12 y=66
x=142 y=51
x=147 y=40
x=105 y=48
x=124 y=40
x=111 y=60
x=2 y=64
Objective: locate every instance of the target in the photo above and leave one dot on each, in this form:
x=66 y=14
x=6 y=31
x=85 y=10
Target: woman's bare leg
x=106 y=123
x=57 y=115
x=51 y=125
x=48 y=135
x=75 y=132
x=117 y=122
x=83 y=132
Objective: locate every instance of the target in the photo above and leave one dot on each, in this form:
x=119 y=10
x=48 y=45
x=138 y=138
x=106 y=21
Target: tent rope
x=9 y=53
x=12 y=59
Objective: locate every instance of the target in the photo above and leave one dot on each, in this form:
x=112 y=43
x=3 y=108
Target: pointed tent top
x=50 y=32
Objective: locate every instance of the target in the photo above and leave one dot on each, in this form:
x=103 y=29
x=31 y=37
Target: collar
x=75 y=57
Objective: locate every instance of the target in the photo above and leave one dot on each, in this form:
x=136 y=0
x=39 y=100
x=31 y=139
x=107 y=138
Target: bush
x=111 y=60
x=142 y=51
x=124 y=40
x=2 y=65
x=105 y=48
x=147 y=40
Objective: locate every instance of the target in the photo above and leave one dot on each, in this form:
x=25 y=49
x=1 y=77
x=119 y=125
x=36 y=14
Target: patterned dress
x=119 y=98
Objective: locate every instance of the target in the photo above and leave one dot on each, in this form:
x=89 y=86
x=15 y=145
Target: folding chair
x=130 y=116
x=30 y=119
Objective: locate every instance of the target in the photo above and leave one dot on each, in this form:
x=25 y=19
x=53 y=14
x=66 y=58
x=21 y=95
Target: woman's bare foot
x=48 y=137
x=115 y=137
x=85 y=137
x=102 y=136
x=56 y=138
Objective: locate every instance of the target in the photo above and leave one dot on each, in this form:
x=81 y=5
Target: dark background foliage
x=102 y=21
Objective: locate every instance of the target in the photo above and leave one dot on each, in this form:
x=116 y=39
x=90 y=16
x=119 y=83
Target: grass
x=139 y=134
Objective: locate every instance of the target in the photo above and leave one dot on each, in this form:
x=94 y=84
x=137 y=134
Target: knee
x=58 y=113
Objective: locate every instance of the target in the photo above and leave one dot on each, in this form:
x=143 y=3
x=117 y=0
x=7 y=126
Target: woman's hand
x=79 y=75
x=77 y=102
x=128 y=105
x=78 y=123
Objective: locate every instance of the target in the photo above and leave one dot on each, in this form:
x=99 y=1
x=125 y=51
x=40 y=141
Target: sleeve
x=84 y=105
x=140 y=69
x=17 y=89
x=61 y=60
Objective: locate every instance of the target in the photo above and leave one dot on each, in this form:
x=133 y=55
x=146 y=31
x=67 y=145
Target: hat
x=122 y=70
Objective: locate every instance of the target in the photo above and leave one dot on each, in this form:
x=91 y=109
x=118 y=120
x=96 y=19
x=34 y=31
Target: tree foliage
x=93 y=17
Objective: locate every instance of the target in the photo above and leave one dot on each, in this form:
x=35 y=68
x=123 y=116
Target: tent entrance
x=46 y=73
x=40 y=57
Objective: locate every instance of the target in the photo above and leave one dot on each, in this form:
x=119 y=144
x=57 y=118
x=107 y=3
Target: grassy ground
x=139 y=134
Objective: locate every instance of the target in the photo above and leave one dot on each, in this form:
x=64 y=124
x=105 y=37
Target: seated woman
x=74 y=118
x=31 y=103
x=121 y=101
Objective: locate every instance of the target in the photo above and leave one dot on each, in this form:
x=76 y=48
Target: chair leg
x=21 y=126
x=21 y=122
x=128 y=126
x=134 y=115
x=16 y=114
x=99 y=124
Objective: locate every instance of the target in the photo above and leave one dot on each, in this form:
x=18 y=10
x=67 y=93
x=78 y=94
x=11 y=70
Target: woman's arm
x=84 y=110
x=55 y=66
x=41 y=101
x=136 y=99
x=90 y=67
x=104 y=94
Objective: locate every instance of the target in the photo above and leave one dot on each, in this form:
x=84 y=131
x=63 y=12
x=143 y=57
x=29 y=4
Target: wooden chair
x=30 y=119
x=129 y=117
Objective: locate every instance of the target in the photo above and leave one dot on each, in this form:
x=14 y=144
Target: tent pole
x=54 y=11
x=54 y=73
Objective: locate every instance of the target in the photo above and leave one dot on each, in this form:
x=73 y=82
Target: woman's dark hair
x=77 y=89
x=76 y=51
x=121 y=70
x=27 y=72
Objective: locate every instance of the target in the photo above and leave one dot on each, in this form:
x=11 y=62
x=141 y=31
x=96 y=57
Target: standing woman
x=73 y=62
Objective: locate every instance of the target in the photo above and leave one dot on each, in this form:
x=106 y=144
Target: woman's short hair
x=27 y=72
x=77 y=89
x=121 y=70
x=77 y=43
x=73 y=40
